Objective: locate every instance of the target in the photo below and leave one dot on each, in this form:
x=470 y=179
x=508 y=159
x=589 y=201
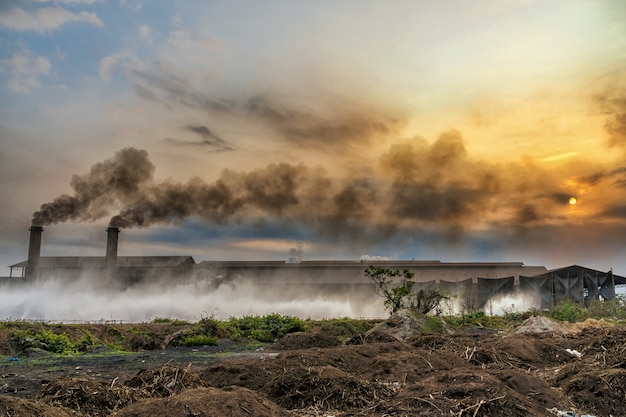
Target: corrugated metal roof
x=99 y=261
x=575 y=270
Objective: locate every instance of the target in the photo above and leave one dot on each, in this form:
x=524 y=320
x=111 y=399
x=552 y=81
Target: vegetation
x=614 y=309
x=400 y=296
x=568 y=310
x=200 y=340
x=17 y=337
x=175 y=322
x=44 y=340
x=264 y=328
x=480 y=319
x=343 y=327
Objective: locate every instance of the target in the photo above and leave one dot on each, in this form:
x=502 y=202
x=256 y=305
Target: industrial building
x=474 y=282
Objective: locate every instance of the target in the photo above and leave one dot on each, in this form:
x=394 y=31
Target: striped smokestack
x=111 y=256
x=34 y=252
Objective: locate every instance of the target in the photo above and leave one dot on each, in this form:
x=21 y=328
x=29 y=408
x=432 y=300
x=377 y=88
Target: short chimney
x=34 y=252
x=111 y=257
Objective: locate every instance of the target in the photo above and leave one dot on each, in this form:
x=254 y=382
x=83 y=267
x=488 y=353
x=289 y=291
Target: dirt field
x=473 y=372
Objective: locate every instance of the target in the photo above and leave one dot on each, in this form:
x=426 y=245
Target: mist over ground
x=188 y=299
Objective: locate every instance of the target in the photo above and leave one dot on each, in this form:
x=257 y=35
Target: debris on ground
x=166 y=381
x=90 y=397
x=477 y=374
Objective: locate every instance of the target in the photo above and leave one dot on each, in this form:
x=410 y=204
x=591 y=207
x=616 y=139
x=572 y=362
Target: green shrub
x=166 y=320
x=86 y=343
x=433 y=325
x=346 y=327
x=200 y=340
x=264 y=328
x=211 y=326
x=568 y=310
x=44 y=340
x=56 y=343
x=615 y=308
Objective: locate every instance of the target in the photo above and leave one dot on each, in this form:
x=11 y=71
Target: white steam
x=60 y=300
x=511 y=303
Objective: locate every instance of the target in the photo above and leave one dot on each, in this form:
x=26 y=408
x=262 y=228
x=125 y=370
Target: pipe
x=34 y=252
x=111 y=254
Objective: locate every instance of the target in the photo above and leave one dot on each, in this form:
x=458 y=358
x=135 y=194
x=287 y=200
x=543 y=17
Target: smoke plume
x=415 y=183
x=118 y=179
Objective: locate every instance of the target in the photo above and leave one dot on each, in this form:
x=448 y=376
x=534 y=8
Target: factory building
x=474 y=282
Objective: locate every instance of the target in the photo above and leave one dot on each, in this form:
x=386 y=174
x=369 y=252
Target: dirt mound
x=596 y=382
x=302 y=340
x=595 y=392
x=18 y=407
x=404 y=325
x=326 y=388
x=255 y=373
x=410 y=366
x=251 y=373
x=462 y=392
x=206 y=402
x=591 y=324
x=89 y=396
x=530 y=351
x=541 y=324
x=166 y=381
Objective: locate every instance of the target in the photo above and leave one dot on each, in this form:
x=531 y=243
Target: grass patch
x=200 y=340
x=263 y=328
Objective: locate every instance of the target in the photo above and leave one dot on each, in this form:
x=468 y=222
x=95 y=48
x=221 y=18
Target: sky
x=454 y=130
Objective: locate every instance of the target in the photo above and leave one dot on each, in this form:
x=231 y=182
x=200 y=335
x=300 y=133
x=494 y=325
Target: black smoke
x=415 y=183
x=119 y=179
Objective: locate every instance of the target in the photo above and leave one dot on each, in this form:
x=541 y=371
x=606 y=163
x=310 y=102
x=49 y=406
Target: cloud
x=614 y=106
x=324 y=122
x=25 y=69
x=340 y=125
x=209 y=139
x=44 y=19
x=617 y=175
x=67 y=1
x=145 y=33
x=110 y=63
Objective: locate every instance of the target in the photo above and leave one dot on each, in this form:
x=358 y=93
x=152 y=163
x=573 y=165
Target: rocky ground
x=542 y=368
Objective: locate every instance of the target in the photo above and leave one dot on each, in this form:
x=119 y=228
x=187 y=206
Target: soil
x=473 y=372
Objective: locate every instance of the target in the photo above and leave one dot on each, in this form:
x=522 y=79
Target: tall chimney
x=112 y=236
x=34 y=252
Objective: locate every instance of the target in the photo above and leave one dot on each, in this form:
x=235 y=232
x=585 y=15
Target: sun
x=572 y=200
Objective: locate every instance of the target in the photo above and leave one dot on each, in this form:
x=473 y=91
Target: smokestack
x=111 y=257
x=34 y=252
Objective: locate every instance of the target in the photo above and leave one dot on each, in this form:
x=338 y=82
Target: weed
x=263 y=328
x=200 y=340
x=568 y=310
x=175 y=322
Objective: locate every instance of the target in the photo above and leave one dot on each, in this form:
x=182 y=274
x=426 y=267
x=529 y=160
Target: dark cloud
x=209 y=139
x=311 y=128
x=332 y=123
x=614 y=106
x=437 y=182
x=615 y=212
x=617 y=177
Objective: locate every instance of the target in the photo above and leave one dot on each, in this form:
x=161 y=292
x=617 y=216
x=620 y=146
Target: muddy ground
x=473 y=372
